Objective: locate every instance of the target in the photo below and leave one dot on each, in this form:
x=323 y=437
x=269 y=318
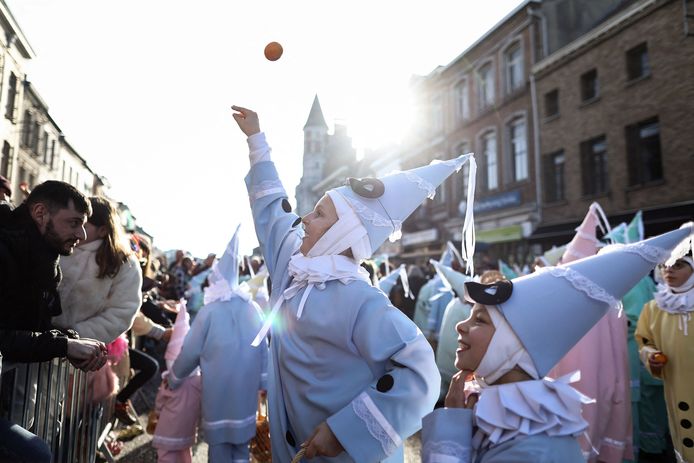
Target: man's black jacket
x=29 y=277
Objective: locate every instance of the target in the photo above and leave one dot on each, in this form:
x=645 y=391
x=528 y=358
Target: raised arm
x=276 y=225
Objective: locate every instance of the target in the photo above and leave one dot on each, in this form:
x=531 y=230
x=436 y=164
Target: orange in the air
x=659 y=357
x=273 y=51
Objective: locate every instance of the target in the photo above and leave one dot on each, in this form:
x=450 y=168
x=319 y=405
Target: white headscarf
x=504 y=352
x=347 y=233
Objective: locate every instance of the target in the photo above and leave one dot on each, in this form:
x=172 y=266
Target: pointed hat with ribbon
x=553 y=308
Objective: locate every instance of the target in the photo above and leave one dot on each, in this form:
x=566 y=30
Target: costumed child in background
x=350 y=376
x=456 y=311
x=648 y=411
x=517 y=332
x=178 y=411
x=233 y=372
x=430 y=289
x=665 y=334
x=601 y=357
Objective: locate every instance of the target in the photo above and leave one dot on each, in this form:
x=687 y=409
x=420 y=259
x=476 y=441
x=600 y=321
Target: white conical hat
x=553 y=308
x=383 y=204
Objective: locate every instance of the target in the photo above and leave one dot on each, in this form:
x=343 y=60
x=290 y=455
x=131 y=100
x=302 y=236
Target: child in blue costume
x=350 y=376
x=233 y=372
x=517 y=332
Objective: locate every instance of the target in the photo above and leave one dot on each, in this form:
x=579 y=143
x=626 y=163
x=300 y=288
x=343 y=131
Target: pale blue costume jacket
x=219 y=341
x=447 y=438
x=352 y=359
x=438 y=302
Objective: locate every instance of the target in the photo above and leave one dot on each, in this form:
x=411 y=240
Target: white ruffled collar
x=675 y=303
x=309 y=273
x=526 y=408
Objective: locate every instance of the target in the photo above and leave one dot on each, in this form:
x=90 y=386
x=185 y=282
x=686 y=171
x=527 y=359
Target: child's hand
x=456 y=392
x=322 y=443
x=656 y=361
x=247 y=120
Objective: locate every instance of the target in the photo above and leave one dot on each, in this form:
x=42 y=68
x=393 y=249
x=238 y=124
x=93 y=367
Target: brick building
x=616 y=122
x=480 y=102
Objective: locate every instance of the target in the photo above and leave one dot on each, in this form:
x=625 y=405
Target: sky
x=143 y=88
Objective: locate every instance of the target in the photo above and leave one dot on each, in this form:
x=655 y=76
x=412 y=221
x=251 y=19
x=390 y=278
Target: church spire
x=315 y=117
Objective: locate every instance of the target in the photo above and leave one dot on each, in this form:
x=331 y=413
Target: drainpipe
x=536 y=119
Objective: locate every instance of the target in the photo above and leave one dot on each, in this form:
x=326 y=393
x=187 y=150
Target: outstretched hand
x=247 y=120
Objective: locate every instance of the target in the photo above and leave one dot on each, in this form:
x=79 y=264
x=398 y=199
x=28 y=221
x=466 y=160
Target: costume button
x=290 y=439
x=385 y=383
x=688 y=442
x=686 y=424
x=684 y=406
x=296 y=222
x=286 y=207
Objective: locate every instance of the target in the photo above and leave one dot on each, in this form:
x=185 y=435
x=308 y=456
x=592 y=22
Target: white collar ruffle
x=309 y=273
x=525 y=408
x=681 y=304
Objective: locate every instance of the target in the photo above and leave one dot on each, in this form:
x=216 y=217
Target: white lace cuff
x=259 y=149
x=377 y=424
x=445 y=452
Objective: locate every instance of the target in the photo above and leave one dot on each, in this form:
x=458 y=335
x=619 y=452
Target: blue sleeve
x=193 y=344
x=375 y=424
x=447 y=436
x=274 y=221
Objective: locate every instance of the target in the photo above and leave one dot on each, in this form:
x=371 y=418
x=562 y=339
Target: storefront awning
x=501 y=234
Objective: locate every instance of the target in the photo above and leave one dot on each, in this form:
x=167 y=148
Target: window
x=643 y=152
x=589 y=85
x=53 y=154
x=6 y=159
x=462 y=105
x=519 y=149
x=10 y=109
x=485 y=86
x=27 y=129
x=44 y=148
x=552 y=103
x=62 y=177
x=489 y=152
x=437 y=114
x=514 y=68
x=554 y=177
x=594 y=166
x=36 y=137
x=637 y=62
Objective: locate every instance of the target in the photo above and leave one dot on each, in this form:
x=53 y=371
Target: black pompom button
x=686 y=424
x=688 y=442
x=290 y=439
x=286 y=207
x=296 y=222
x=684 y=406
x=385 y=383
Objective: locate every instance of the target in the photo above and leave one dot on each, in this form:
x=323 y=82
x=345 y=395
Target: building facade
x=481 y=103
x=15 y=52
x=616 y=119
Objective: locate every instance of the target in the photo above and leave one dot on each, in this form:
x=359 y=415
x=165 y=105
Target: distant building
x=15 y=52
x=328 y=159
x=616 y=121
x=480 y=102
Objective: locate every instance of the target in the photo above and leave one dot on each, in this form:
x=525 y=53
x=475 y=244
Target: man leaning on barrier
x=32 y=238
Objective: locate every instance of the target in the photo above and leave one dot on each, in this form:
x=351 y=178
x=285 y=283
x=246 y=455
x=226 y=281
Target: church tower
x=315 y=145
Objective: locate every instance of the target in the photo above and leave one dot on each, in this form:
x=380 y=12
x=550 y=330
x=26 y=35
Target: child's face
x=474 y=336
x=677 y=274
x=317 y=222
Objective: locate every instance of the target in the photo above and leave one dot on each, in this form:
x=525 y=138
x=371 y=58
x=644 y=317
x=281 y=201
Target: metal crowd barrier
x=52 y=400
